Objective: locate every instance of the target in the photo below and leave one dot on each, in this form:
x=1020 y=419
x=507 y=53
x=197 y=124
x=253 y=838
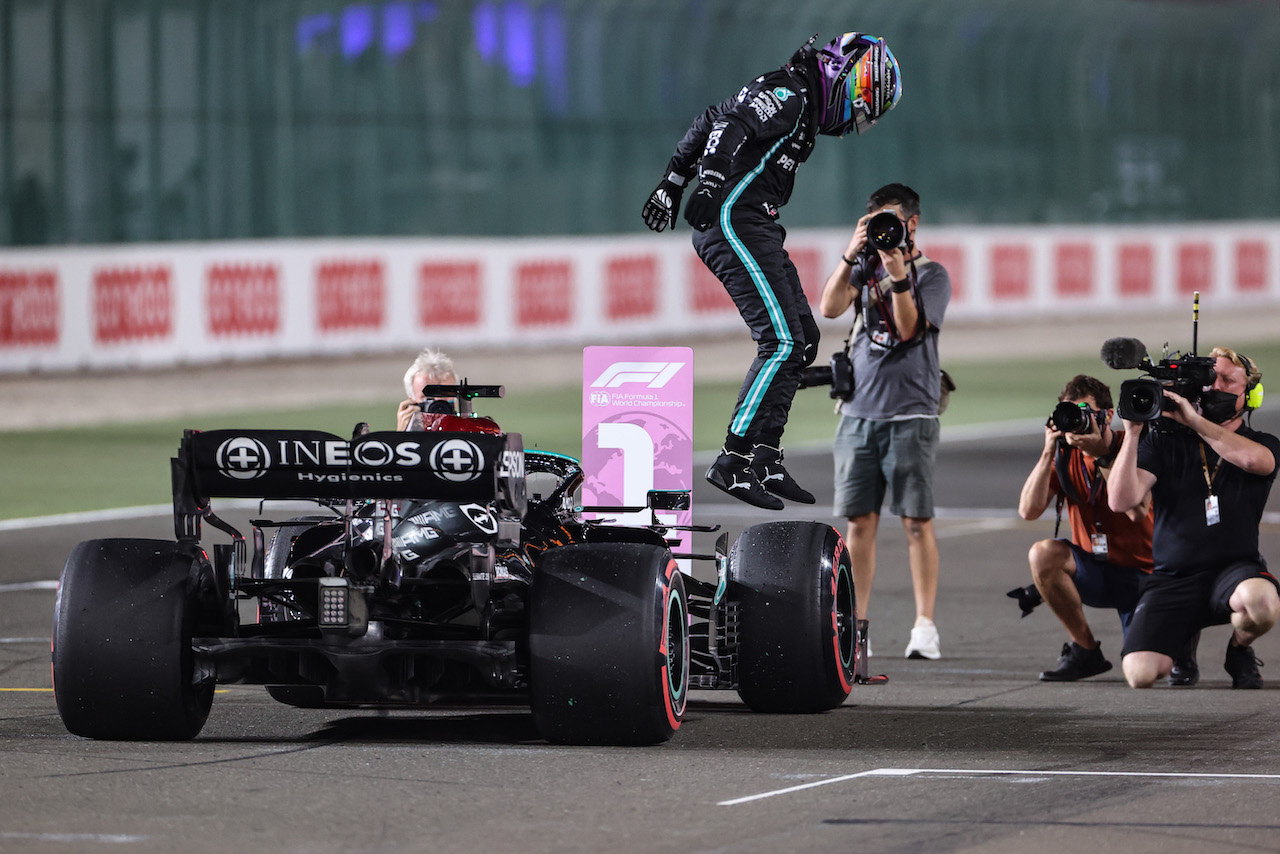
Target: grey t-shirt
x=893 y=380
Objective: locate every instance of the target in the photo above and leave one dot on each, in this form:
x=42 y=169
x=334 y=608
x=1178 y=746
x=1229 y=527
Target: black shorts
x=1171 y=608
x=1106 y=585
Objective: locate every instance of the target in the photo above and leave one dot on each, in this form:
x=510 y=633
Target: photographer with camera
x=745 y=152
x=1209 y=476
x=887 y=437
x=1109 y=552
x=430 y=367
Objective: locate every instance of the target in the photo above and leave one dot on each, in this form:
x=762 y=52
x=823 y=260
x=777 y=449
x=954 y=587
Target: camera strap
x=877 y=292
x=1062 y=459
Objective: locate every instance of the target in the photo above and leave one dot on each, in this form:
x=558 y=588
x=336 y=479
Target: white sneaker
x=924 y=640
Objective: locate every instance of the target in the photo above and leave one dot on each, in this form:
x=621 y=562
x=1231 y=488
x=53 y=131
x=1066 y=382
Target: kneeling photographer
x=1209 y=476
x=1108 y=553
x=888 y=429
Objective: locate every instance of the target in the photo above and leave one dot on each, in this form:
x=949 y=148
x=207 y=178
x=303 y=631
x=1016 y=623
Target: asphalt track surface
x=968 y=753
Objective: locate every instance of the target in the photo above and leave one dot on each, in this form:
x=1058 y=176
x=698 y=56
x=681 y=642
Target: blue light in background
x=397 y=28
x=484 y=23
x=357 y=31
x=311 y=31
x=526 y=42
x=520 y=43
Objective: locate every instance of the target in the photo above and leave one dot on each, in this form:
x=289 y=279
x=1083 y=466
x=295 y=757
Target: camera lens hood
x=886 y=232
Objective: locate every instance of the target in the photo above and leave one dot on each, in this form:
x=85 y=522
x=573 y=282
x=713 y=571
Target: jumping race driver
x=745 y=152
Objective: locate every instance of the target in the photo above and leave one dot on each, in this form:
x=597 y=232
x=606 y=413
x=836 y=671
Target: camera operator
x=888 y=430
x=1109 y=552
x=1209 y=478
x=745 y=152
x=430 y=367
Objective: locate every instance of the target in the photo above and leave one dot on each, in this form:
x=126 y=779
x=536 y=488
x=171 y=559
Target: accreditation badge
x=1211 y=515
x=1099 y=545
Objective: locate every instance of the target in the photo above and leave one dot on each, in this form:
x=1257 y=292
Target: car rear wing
x=310 y=464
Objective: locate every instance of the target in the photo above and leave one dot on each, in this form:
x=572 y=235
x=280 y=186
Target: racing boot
x=732 y=473
x=766 y=462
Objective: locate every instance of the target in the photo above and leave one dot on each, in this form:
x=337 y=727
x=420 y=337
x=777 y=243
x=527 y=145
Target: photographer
x=745 y=152
x=1209 y=476
x=888 y=430
x=1109 y=552
x=431 y=367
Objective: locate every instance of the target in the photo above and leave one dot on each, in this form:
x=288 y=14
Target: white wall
x=106 y=307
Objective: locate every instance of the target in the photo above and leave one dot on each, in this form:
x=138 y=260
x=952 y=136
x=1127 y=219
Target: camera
x=1185 y=375
x=438 y=406
x=838 y=375
x=1070 y=417
x=886 y=232
x=1143 y=399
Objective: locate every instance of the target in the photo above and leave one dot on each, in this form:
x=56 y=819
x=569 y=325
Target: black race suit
x=754 y=142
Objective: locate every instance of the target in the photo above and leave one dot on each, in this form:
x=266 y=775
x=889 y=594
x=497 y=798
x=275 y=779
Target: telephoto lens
x=886 y=232
x=1071 y=418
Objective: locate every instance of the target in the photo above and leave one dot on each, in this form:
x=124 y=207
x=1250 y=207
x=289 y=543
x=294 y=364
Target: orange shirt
x=1128 y=542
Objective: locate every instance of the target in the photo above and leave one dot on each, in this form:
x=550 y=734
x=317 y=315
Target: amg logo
x=655 y=374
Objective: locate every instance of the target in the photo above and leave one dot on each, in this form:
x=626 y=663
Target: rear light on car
x=334 y=603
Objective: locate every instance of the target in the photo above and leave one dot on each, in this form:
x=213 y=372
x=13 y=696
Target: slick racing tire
x=124 y=617
x=797 y=618
x=609 y=644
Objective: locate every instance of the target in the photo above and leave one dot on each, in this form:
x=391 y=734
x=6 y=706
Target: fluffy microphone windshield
x=1122 y=353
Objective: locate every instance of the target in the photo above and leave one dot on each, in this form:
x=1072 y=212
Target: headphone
x=1253 y=392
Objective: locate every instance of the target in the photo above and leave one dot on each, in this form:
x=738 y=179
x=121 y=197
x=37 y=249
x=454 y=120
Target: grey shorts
x=872 y=457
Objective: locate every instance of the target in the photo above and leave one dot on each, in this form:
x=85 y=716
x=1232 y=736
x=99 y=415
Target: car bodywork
x=444 y=564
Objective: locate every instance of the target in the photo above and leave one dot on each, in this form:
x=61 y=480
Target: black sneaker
x=1243 y=666
x=766 y=462
x=1077 y=663
x=732 y=473
x=1186 y=672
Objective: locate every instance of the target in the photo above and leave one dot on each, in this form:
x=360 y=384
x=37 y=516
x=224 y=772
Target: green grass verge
x=91 y=468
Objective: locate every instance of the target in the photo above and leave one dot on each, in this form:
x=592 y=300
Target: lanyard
x=1204 y=462
x=1093 y=488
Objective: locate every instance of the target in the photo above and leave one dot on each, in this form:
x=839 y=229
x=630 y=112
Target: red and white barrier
x=100 y=307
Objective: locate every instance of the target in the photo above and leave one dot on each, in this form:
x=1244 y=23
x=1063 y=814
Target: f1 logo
x=656 y=374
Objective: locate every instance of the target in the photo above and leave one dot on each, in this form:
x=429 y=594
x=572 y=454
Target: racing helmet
x=860 y=83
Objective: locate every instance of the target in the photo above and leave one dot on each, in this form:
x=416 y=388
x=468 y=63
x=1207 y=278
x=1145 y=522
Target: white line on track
x=28 y=585
x=974 y=772
x=149 y=511
x=106 y=838
x=86 y=517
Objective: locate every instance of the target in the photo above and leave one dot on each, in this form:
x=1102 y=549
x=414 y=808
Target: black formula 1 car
x=442 y=565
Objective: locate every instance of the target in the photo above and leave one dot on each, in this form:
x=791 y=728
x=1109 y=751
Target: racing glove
x=704 y=204
x=664 y=202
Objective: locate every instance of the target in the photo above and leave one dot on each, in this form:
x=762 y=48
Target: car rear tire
x=609 y=645
x=797 y=617
x=124 y=617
